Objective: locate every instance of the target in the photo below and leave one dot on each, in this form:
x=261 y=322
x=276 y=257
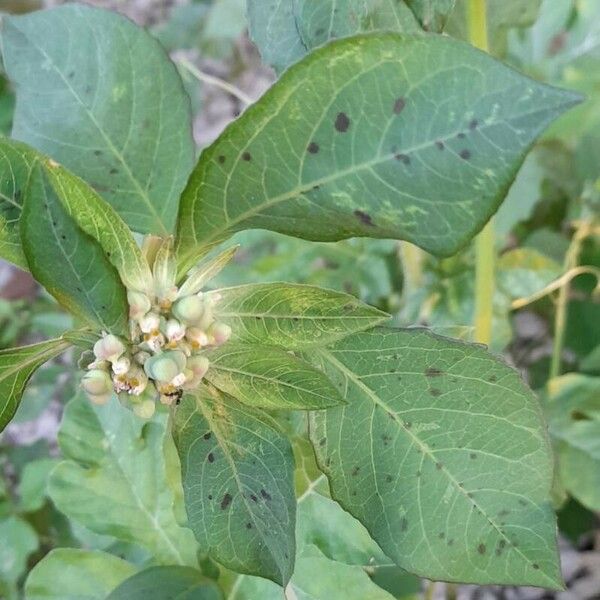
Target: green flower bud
x=110 y=348
x=189 y=310
x=219 y=333
x=166 y=366
x=97 y=385
x=139 y=304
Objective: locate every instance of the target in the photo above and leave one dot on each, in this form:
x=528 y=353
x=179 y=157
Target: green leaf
x=99 y=220
x=359 y=140
x=69 y=574
x=286 y=30
x=17 y=365
x=69 y=263
x=432 y=14
x=16 y=164
x=238 y=484
x=34 y=483
x=293 y=316
x=19 y=540
x=574 y=415
x=164 y=583
x=442 y=454
x=114 y=479
x=269 y=377
x=501 y=17
x=112 y=109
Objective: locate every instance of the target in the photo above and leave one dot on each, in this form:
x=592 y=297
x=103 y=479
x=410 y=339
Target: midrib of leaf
x=280 y=382
x=301 y=317
x=105 y=137
x=300 y=190
x=153 y=521
x=225 y=448
x=425 y=450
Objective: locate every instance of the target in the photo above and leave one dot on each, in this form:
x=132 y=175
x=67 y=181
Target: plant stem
x=429 y=590
x=211 y=80
x=560 y=319
x=412 y=258
x=484 y=244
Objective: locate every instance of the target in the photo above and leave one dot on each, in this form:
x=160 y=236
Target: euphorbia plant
x=435 y=446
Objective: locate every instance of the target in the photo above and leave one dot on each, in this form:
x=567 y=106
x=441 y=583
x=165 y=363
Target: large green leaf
x=69 y=574
x=114 y=480
x=442 y=454
x=99 y=220
x=574 y=415
x=16 y=164
x=238 y=483
x=19 y=541
x=99 y=95
x=501 y=17
x=270 y=377
x=358 y=139
x=17 y=365
x=432 y=14
x=286 y=30
x=293 y=316
x=166 y=583
x=68 y=262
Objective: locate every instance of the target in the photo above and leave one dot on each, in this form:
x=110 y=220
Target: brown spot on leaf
x=363 y=217
x=473 y=124
x=404 y=158
x=472 y=456
x=535 y=566
x=265 y=494
x=226 y=501
x=403 y=524
x=433 y=372
x=465 y=154
x=481 y=548
x=248 y=525
x=247 y=156
x=211 y=457
x=253 y=498
x=342 y=122
x=207 y=435
x=221 y=159
x=439 y=145
x=355 y=471
x=399 y=105
x=313 y=148
x=435 y=392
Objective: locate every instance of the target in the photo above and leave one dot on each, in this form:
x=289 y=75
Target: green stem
x=484 y=244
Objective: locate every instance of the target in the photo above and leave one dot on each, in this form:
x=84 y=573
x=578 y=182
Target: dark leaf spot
x=221 y=159
x=403 y=524
x=481 y=548
x=97 y=152
x=465 y=154
x=322 y=441
x=439 y=466
x=389 y=478
x=363 y=217
x=435 y=392
x=114 y=171
x=472 y=456
x=433 y=372
x=399 y=105
x=522 y=502
x=535 y=566
x=253 y=498
x=355 y=471
x=441 y=535
x=71 y=74
x=473 y=124
x=226 y=501
x=404 y=158
x=248 y=525
x=492 y=379
x=210 y=497
x=265 y=494
x=461 y=136
x=440 y=145
x=313 y=148
x=211 y=457
x=247 y=156
x=207 y=435
x=342 y=122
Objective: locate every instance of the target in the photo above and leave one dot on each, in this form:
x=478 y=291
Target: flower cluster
x=169 y=331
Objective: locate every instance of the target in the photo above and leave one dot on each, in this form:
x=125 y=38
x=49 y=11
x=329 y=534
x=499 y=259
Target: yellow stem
x=484 y=244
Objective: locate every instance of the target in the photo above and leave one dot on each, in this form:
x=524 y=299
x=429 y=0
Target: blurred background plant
x=546 y=308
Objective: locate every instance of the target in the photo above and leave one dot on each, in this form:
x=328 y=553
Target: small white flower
x=110 y=348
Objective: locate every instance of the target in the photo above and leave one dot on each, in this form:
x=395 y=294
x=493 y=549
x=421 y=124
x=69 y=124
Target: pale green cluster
x=164 y=357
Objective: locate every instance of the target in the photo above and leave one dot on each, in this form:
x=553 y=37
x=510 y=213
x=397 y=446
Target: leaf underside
x=442 y=454
x=385 y=136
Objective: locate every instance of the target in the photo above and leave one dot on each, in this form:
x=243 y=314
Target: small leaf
x=17 y=365
x=16 y=164
x=292 y=316
x=69 y=263
x=83 y=338
x=574 y=415
x=268 y=377
x=238 y=471
x=99 y=220
x=19 y=541
x=286 y=30
x=69 y=574
x=432 y=14
x=114 y=480
x=358 y=139
x=162 y=583
x=205 y=271
x=442 y=454
x=112 y=109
